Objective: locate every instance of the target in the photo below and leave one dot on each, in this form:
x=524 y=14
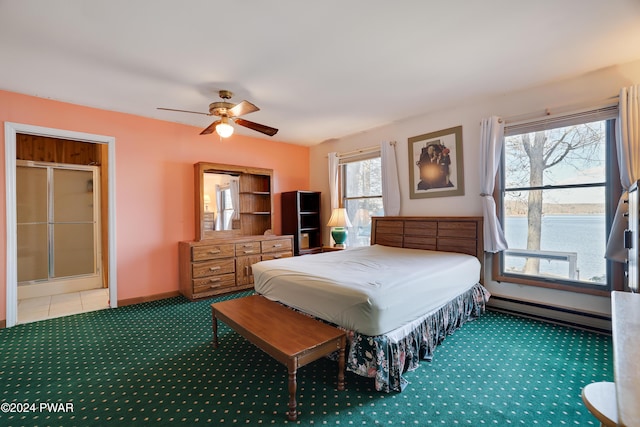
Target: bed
x=418 y=282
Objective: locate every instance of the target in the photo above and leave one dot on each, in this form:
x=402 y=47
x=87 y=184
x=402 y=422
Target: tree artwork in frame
x=435 y=164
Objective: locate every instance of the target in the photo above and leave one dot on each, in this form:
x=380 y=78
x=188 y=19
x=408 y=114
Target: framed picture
x=435 y=164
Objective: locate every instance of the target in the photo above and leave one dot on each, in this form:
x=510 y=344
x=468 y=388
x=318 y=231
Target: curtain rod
x=362 y=150
x=560 y=111
x=500 y=120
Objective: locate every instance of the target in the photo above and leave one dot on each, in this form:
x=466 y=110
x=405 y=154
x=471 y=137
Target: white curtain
x=628 y=147
x=390 y=183
x=234 y=186
x=219 y=219
x=491 y=143
x=334 y=192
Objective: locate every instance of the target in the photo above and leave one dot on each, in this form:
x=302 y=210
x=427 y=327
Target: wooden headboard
x=462 y=234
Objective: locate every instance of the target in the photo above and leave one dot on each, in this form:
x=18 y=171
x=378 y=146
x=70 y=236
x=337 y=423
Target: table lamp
x=339 y=219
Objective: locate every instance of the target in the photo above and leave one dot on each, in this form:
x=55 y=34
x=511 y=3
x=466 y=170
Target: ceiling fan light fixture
x=224 y=129
x=228 y=113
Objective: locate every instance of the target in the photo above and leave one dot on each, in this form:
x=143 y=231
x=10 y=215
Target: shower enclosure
x=58 y=228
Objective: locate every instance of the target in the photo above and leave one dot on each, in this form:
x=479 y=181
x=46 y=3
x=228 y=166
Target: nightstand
x=331 y=249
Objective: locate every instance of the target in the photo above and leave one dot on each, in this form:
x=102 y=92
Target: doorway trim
x=10 y=136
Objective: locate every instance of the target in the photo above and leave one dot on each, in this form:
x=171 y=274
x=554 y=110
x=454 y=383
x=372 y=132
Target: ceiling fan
x=229 y=113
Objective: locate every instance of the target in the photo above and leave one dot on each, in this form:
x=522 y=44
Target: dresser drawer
x=222 y=265
x=202 y=253
x=276 y=255
x=214 y=268
x=214 y=282
x=247 y=248
x=279 y=245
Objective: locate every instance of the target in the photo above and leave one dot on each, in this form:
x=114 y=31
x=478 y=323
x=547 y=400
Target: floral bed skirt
x=387 y=357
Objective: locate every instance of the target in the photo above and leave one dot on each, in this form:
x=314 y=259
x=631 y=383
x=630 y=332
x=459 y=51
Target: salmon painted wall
x=154 y=182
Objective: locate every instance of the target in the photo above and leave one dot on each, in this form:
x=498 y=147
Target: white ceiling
x=318 y=70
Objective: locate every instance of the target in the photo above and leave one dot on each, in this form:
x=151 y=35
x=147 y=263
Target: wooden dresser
x=217 y=266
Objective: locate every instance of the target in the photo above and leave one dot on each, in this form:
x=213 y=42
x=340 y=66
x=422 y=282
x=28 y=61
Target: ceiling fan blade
x=257 y=127
x=184 y=111
x=245 y=107
x=211 y=128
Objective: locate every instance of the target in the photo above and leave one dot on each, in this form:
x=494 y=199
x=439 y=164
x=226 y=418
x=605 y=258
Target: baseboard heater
x=559 y=315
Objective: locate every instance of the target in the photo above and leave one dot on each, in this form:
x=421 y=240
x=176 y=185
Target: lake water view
x=582 y=234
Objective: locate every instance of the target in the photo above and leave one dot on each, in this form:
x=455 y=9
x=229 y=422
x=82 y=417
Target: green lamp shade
x=339 y=235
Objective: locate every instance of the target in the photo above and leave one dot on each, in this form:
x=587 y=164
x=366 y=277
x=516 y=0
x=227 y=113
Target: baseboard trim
x=592 y=322
x=149 y=298
x=3 y=323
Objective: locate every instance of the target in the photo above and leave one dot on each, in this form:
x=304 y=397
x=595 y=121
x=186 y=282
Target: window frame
x=342 y=177
x=613 y=191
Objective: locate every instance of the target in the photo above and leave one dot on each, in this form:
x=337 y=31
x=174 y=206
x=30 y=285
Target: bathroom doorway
x=58 y=223
x=62 y=211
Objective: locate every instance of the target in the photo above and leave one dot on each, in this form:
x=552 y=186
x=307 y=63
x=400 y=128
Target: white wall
x=590 y=88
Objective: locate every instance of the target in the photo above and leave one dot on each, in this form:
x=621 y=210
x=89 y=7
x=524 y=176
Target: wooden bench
x=291 y=338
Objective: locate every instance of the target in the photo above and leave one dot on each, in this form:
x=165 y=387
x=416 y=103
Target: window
x=362 y=196
x=227 y=208
x=559 y=186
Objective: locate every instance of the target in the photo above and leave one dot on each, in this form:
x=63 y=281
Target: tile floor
x=41 y=308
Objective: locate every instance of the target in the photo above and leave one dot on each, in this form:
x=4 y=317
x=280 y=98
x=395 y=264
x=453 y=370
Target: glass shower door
x=57 y=227
x=73 y=223
x=33 y=223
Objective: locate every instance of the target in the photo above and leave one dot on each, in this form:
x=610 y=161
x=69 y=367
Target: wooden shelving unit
x=301 y=218
x=255 y=203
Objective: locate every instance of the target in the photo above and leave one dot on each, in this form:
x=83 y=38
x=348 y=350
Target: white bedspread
x=372 y=290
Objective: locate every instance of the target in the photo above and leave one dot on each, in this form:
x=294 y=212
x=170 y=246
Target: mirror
x=232 y=200
x=221 y=197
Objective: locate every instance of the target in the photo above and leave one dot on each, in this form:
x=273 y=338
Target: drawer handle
x=277 y=256
x=214 y=280
x=214 y=268
x=214 y=251
x=248 y=245
x=249 y=252
x=277 y=245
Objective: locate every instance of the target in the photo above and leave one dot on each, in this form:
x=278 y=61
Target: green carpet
x=153 y=363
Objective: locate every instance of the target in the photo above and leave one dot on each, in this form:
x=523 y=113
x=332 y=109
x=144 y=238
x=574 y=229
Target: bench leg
x=293 y=413
x=214 y=324
x=341 y=365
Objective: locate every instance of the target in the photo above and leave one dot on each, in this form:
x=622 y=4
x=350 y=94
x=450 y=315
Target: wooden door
x=244 y=274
